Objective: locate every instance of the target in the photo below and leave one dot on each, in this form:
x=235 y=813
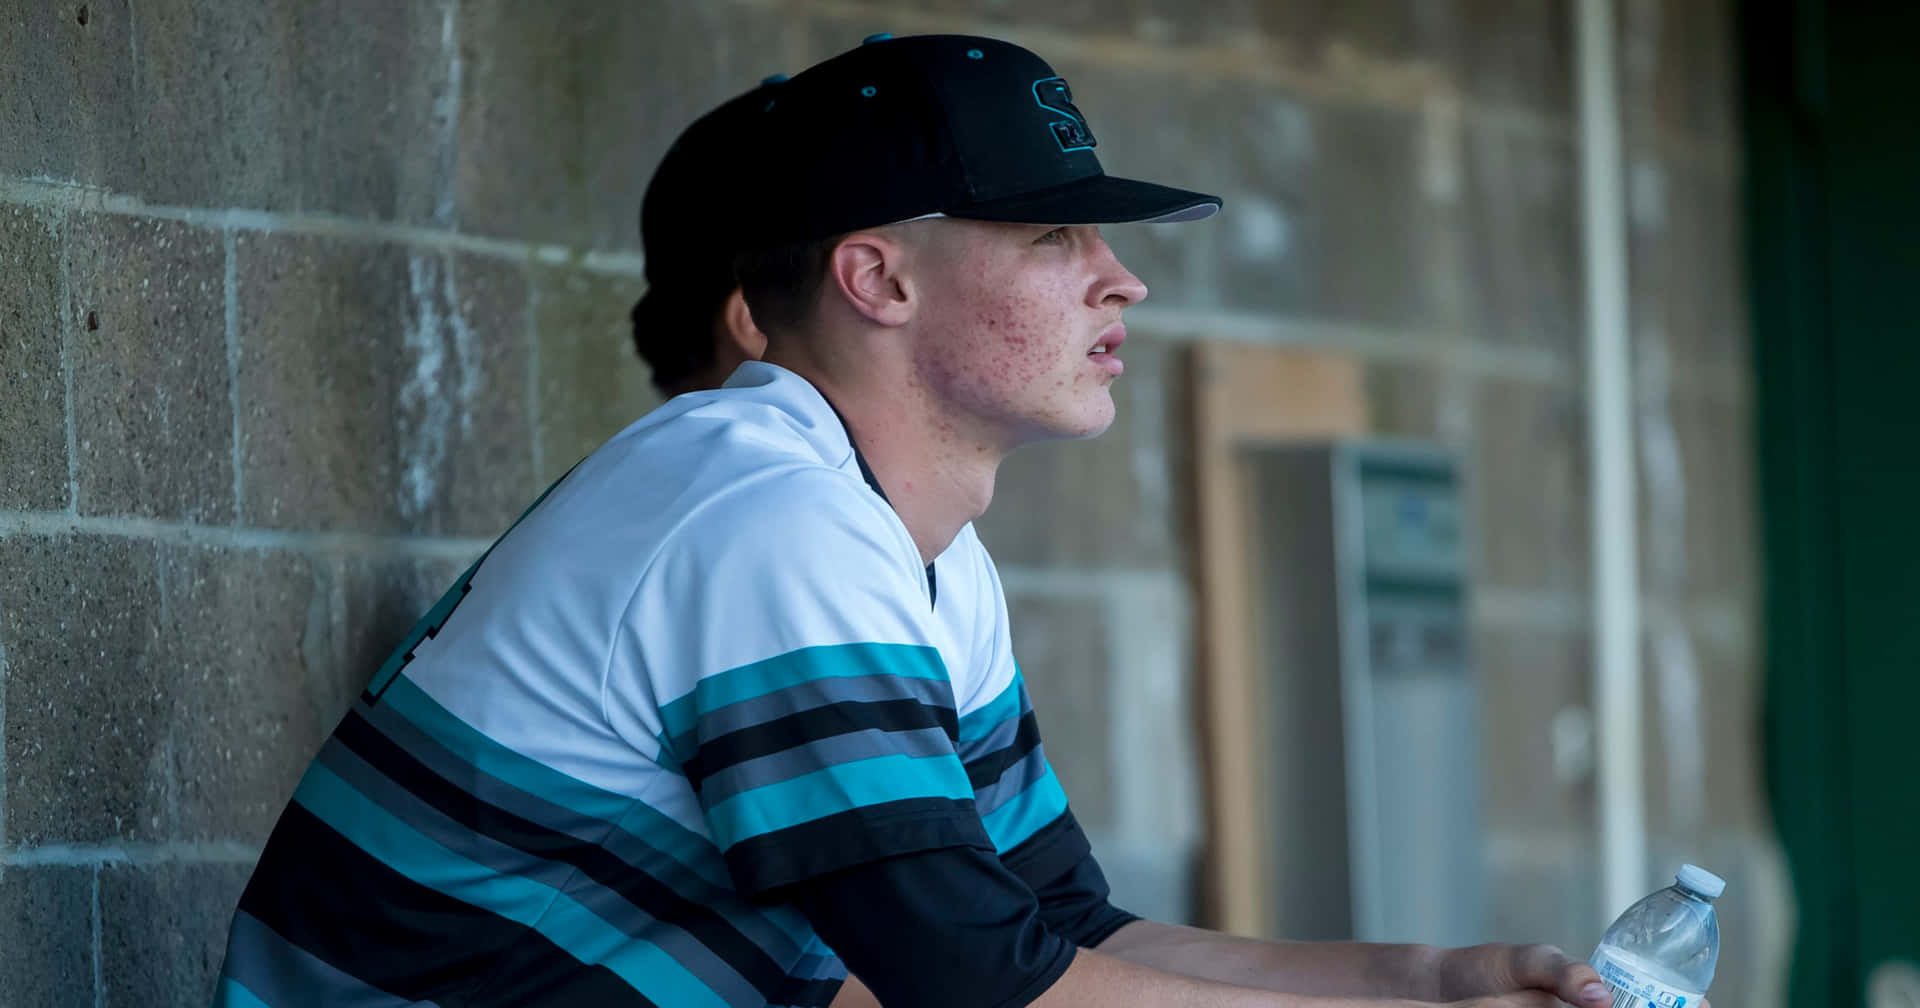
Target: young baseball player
x=733 y=708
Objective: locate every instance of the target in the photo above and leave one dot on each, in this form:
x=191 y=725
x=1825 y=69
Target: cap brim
x=1096 y=199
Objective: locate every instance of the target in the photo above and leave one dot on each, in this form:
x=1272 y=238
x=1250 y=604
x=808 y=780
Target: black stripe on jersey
x=768 y=861
x=314 y=888
x=651 y=895
x=796 y=730
x=807 y=994
x=1051 y=849
x=986 y=768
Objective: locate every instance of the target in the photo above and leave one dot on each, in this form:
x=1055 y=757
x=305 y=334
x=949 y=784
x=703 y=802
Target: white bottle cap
x=1701 y=881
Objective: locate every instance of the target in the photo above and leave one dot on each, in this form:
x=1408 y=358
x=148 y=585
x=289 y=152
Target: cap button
x=773 y=79
x=876 y=37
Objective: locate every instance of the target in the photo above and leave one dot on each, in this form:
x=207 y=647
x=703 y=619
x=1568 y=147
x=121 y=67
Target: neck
x=936 y=477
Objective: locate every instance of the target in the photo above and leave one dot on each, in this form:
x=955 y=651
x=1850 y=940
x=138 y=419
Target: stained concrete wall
x=301 y=302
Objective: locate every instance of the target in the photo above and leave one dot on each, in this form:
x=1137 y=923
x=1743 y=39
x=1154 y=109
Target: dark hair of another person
x=676 y=342
x=782 y=284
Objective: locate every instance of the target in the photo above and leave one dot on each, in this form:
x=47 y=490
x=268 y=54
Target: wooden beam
x=1245 y=395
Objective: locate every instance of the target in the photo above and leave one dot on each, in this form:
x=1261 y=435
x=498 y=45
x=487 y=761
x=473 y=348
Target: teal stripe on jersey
x=829 y=661
x=489 y=756
x=1011 y=824
x=584 y=935
x=981 y=722
x=836 y=789
x=232 y=995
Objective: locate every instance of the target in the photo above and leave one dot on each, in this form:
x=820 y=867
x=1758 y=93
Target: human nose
x=1116 y=284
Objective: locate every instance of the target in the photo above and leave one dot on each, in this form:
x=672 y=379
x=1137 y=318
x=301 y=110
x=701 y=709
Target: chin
x=1091 y=426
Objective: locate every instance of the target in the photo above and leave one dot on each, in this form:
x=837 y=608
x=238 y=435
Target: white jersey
x=706 y=664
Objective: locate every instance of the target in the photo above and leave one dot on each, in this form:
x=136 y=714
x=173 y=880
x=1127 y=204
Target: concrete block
x=66 y=93
x=343 y=109
x=1679 y=67
x=592 y=383
x=163 y=931
x=1521 y=207
x=152 y=412
x=1061 y=646
x=1528 y=486
x=46 y=914
x=1111 y=502
x=1686 y=253
x=247 y=706
x=376 y=600
x=1698 y=499
x=1504 y=52
x=380 y=389
x=1702 y=742
x=1509 y=52
x=86 y=733
x=1306 y=232
x=33 y=427
x=567 y=107
x=1526 y=677
x=1403 y=400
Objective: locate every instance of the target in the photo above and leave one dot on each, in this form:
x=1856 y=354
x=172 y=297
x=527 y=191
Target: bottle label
x=1633 y=988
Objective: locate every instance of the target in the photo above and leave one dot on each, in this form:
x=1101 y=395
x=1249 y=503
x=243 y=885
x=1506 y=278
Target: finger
x=1571 y=980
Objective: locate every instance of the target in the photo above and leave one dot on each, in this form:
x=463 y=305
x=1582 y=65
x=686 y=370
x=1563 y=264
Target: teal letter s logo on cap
x=1072 y=133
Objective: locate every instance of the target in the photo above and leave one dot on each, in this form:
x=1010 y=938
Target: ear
x=734 y=330
x=866 y=269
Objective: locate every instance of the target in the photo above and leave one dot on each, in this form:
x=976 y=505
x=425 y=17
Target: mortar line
x=43 y=192
x=130 y=855
x=188 y=534
x=99 y=983
x=231 y=243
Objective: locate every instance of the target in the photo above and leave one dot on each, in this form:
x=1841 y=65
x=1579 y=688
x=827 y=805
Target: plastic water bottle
x=1661 y=952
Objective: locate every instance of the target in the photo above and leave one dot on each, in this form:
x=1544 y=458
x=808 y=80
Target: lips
x=1102 y=352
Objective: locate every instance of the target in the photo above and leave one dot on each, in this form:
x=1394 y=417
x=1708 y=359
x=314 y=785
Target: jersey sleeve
x=787 y=667
x=1014 y=787
x=1020 y=801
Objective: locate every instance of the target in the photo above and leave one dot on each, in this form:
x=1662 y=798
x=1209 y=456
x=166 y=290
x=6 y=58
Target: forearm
x=1099 y=979
x=1326 y=969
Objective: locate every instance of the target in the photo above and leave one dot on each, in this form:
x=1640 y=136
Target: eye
x=1053 y=237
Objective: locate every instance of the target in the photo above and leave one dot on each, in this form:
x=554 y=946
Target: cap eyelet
x=975 y=54
x=877 y=37
x=869 y=91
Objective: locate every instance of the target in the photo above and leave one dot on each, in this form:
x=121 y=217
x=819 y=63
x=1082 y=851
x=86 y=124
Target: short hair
x=676 y=339
x=782 y=284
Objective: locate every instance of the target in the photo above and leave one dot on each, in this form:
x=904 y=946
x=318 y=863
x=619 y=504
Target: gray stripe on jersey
x=1019 y=777
x=283 y=974
x=808 y=757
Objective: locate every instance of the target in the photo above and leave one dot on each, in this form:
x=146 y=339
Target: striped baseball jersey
x=706 y=664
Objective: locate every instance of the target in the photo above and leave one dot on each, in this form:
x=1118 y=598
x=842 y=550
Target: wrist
x=1414 y=972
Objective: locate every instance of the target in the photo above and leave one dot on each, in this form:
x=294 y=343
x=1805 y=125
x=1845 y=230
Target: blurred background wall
x=301 y=303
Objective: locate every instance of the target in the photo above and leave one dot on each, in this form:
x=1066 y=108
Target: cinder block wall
x=300 y=303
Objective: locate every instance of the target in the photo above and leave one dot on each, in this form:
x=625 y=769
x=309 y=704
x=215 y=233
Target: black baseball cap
x=689 y=259
x=926 y=125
